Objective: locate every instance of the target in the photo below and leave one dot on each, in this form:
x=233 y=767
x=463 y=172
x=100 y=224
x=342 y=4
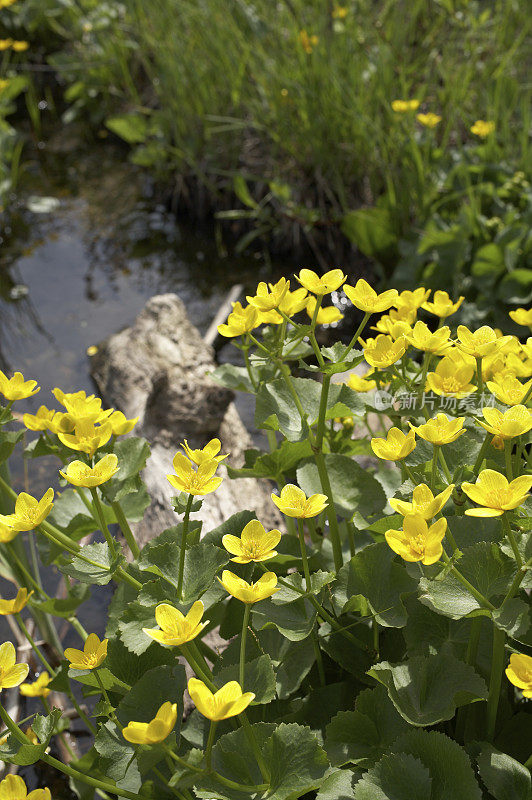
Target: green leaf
x=484 y=566
x=371 y=230
x=337 y=786
x=427 y=632
x=353 y=488
x=259 y=678
x=64 y=606
x=270 y=465
x=8 y=440
x=395 y=777
x=157 y=686
x=516 y=287
x=362 y=736
x=133 y=128
x=504 y=777
x=294 y=620
x=428 y=689
x=292 y=661
x=101 y=569
x=24 y=754
x=233 y=377
x=118 y=759
x=296 y=762
x=488 y=264
x=374 y=583
x=515 y=617
x=132 y=453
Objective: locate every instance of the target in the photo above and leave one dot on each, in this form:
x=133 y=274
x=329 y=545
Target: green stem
x=254 y=746
x=78 y=627
x=34 y=647
x=101 y=519
x=434 y=471
x=331 y=512
x=82 y=715
x=483 y=601
x=126 y=530
x=303 y=550
x=511 y=538
x=200 y=672
x=26 y=573
x=423 y=379
x=360 y=328
x=497 y=666
x=62 y=736
x=480 y=387
x=183 y=546
x=445 y=468
x=242 y=665
x=239 y=787
x=210 y=742
x=103 y=690
x=471 y=659
x=508 y=458
x=482 y=453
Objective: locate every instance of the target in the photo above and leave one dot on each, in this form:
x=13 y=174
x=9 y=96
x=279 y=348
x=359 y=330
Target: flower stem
x=101 y=519
x=210 y=741
x=508 y=458
x=225 y=781
x=479 y=375
x=360 y=328
x=497 y=666
x=479 y=597
x=434 y=471
x=126 y=530
x=242 y=664
x=34 y=647
x=183 y=546
x=254 y=746
x=511 y=538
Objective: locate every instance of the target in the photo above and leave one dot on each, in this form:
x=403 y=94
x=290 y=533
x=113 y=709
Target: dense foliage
x=376 y=645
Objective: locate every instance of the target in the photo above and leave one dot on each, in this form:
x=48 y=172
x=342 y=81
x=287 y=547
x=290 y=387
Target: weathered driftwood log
x=158 y=370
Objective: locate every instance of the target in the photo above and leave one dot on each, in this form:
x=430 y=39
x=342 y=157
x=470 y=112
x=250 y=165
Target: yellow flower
x=384 y=351
x=519 y=672
x=207 y=453
x=522 y=369
x=38 y=688
x=191 y=481
x=176 y=628
x=326 y=316
x=451 y=380
x=82 y=408
x=440 y=430
x=87 y=437
x=513 y=422
x=6 y=3
x=422 y=338
x=493 y=492
x=308 y=42
x=91 y=657
x=13 y=787
x=155 y=731
x=17 y=604
x=39 y=421
x=5 y=44
x=418 y=542
x=339 y=12
x=397 y=322
x=412 y=300
x=29 y=512
x=293 y=502
x=254 y=543
x=80 y=474
x=20 y=47
x=423 y=502
x=229 y=701
x=240 y=321
x=120 y=424
x=270 y=295
x=61 y=422
x=396 y=446
x=34 y=739
x=16 y=388
x=364 y=297
x=429 y=120
x=11 y=674
x=4 y=83
x=508 y=389
x=7 y=533
x=522 y=316
x=249 y=592
x=293 y=302
x=360 y=383
x=482 y=128
x=321 y=284
x=480 y=343
x=442 y=305
x=402 y=106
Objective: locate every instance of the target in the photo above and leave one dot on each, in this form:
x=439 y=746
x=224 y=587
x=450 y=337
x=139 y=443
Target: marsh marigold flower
x=254 y=543
x=480 y=343
x=5 y=44
x=482 y=128
x=422 y=338
x=16 y=388
x=82 y=408
x=20 y=47
x=495 y=494
x=207 y=453
x=417 y=541
x=91 y=657
x=519 y=672
x=240 y=321
x=514 y=422
x=201 y=481
x=423 y=502
x=308 y=41
x=13 y=786
x=154 y=731
x=508 y=389
x=293 y=502
x=360 y=383
x=80 y=474
x=412 y=300
x=249 y=592
x=39 y=421
x=176 y=628
x=11 y=674
x=403 y=106
x=325 y=316
x=229 y=701
x=321 y=284
x=7 y=534
x=522 y=316
x=29 y=512
x=120 y=424
x=428 y=120
x=396 y=446
x=39 y=687
x=451 y=380
x=442 y=306
x=383 y=351
x=440 y=430
x=269 y=295
x=87 y=437
x=17 y=604
x=364 y=297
